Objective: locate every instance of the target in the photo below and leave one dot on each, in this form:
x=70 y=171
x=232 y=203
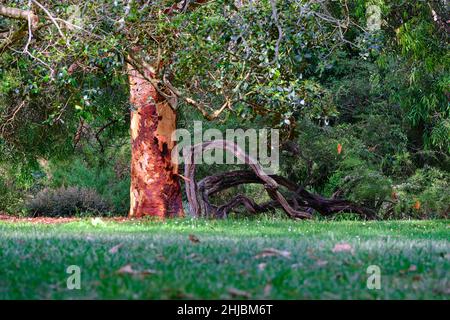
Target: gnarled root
x=298 y=205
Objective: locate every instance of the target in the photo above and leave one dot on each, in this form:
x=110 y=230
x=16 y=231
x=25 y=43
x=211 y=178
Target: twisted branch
x=298 y=206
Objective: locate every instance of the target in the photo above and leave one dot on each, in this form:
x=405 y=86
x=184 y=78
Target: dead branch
x=299 y=197
x=197 y=205
x=297 y=206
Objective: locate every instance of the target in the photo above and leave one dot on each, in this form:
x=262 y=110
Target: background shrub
x=67 y=202
x=8 y=200
x=424 y=195
x=15 y=182
x=108 y=176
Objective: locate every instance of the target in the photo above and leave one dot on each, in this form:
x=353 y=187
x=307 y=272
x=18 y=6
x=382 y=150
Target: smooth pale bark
x=155 y=188
x=15 y=13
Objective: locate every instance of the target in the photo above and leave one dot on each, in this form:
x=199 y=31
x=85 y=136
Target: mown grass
x=414 y=258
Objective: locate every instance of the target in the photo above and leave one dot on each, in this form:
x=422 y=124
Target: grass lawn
x=156 y=260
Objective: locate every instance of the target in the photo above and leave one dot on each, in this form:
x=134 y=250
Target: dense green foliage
x=66 y=202
x=228 y=258
x=325 y=73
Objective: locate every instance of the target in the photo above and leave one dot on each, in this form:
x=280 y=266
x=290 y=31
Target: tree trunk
x=155 y=189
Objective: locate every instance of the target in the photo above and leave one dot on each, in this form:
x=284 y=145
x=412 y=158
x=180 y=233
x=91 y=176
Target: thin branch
x=205 y=113
x=280 y=30
x=30 y=36
x=172 y=99
x=11 y=118
x=30 y=33
x=52 y=19
x=74 y=26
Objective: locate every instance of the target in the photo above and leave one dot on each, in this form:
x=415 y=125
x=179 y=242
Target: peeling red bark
x=155 y=189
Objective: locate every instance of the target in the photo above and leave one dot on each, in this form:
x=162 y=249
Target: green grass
x=414 y=257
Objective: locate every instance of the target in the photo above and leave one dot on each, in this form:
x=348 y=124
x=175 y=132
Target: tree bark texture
x=155 y=188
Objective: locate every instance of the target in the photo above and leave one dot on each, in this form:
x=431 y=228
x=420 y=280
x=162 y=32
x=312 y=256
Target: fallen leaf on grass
x=267 y=289
x=178 y=294
x=128 y=269
x=197 y=258
x=116 y=248
x=271 y=252
x=239 y=293
x=412 y=268
x=262 y=266
x=148 y=272
x=342 y=247
x=417 y=278
x=321 y=263
x=193 y=238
